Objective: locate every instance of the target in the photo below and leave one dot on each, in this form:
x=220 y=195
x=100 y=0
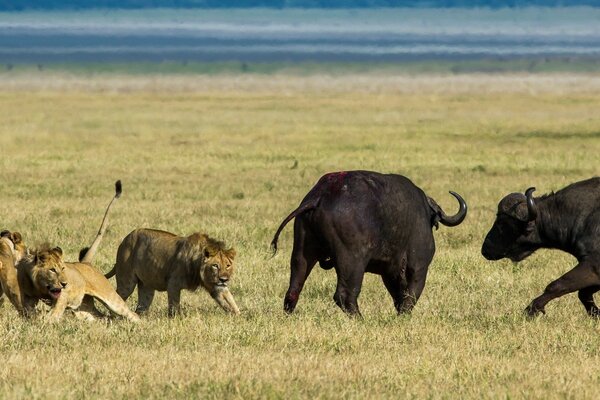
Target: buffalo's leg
x=416 y=283
x=350 y=272
x=304 y=258
x=581 y=277
x=347 y=291
x=586 y=296
x=396 y=286
x=416 y=275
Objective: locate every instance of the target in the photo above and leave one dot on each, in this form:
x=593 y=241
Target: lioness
x=159 y=260
x=20 y=281
x=45 y=276
x=12 y=249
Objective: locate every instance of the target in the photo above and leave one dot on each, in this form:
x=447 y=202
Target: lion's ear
x=5 y=233
x=57 y=250
x=16 y=237
x=231 y=253
x=206 y=253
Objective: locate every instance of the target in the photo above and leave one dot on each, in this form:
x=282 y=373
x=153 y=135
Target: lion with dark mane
x=158 y=260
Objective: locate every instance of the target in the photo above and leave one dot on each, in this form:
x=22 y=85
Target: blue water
x=298 y=35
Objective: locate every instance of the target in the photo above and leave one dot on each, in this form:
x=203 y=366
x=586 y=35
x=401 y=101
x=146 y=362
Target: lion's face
x=48 y=273
x=15 y=242
x=218 y=266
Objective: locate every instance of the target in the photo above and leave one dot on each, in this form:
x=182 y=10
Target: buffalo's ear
x=435 y=217
x=520 y=212
x=530 y=227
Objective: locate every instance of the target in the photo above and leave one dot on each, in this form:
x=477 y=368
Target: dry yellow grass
x=215 y=154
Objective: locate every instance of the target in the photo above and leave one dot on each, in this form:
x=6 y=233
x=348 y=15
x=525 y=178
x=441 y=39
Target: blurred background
x=263 y=36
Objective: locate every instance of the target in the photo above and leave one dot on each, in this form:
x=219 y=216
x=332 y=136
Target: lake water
x=298 y=35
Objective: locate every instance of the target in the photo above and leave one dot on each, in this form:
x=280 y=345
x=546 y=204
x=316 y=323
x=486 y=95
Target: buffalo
x=362 y=221
x=568 y=220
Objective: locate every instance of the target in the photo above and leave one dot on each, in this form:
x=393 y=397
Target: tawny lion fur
x=158 y=260
x=45 y=276
x=12 y=250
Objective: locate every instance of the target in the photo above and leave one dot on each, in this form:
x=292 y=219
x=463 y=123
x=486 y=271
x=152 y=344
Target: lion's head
x=218 y=263
x=210 y=261
x=48 y=272
x=14 y=240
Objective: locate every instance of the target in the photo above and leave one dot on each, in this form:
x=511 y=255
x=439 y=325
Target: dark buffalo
x=361 y=221
x=567 y=220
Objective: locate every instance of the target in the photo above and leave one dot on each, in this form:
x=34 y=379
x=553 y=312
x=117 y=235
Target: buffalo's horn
x=459 y=216
x=531 y=207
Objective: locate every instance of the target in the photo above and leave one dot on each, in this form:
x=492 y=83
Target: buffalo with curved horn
x=362 y=221
x=567 y=220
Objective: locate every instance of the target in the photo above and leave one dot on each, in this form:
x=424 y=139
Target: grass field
x=218 y=154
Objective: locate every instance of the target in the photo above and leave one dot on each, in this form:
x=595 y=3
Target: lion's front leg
x=57 y=310
x=29 y=304
x=174 y=297
x=224 y=298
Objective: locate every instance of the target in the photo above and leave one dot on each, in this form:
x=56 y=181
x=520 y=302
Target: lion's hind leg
x=145 y=297
x=88 y=311
x=119 y=307
x=114 y=302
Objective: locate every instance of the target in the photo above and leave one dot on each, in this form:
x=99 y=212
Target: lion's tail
x=88 y=255
x=305 y=206
x=111 y=273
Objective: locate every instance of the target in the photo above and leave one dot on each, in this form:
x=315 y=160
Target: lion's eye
x=53 y=270
x=215 y=266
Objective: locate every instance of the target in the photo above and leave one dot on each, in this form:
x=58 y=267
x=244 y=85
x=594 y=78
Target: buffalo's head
x=513 y=233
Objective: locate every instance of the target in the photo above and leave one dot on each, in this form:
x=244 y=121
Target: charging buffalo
x=361 y=221
x=567 y=220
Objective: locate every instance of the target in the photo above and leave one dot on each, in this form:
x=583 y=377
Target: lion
x=12 y=250
x=45 y=276
x=158 y=260
x=32 y=278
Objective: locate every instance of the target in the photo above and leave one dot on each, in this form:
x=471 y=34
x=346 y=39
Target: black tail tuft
x=83 y=252
x=273 y=248
x=118 y=189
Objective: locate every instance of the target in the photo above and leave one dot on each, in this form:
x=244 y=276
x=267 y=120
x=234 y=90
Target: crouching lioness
x=45 y=276
x=157 y=260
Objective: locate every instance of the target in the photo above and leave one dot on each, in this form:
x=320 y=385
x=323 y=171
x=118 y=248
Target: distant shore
x=456 y=38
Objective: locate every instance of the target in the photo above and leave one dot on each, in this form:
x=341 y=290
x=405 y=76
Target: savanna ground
x=232 y=155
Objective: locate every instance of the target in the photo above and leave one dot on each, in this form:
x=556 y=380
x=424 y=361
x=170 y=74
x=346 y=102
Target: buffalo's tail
x=304 y=207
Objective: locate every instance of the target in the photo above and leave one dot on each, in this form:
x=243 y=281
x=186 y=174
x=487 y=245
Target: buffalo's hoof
x=289 y=308
x=532 y=311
